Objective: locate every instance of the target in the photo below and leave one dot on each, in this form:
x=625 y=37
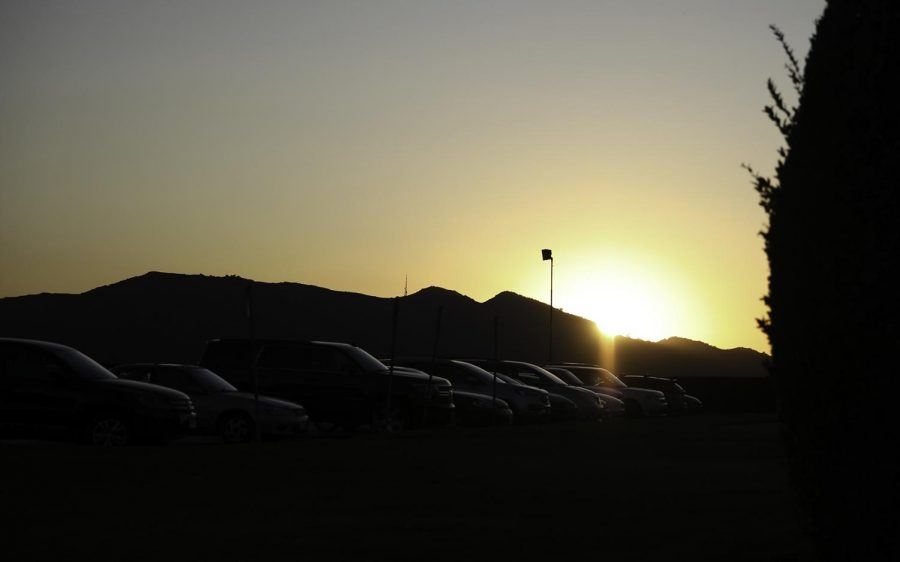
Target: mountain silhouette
x=168 y=317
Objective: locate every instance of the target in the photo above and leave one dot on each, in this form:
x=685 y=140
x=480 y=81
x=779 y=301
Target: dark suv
x=337 y=383
x=50 y=391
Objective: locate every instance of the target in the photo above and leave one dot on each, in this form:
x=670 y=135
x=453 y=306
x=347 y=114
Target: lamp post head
x=547 y=254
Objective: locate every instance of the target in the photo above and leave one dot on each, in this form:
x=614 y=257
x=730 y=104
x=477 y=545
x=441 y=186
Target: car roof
x=146 y=364
x=286 y=341
x=649 y=377
x=35 y=343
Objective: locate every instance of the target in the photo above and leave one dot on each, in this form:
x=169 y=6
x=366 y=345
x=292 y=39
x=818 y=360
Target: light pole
x=548 y=255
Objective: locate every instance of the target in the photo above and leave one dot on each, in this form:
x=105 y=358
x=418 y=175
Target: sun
x=622 y=304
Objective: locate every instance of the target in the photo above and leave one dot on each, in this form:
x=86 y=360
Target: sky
x=357 y=144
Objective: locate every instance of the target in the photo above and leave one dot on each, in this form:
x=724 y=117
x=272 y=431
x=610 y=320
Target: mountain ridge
x=160 y=316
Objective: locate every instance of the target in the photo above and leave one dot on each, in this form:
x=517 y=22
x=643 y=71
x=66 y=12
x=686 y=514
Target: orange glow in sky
x=623 y=305
x=350 y=144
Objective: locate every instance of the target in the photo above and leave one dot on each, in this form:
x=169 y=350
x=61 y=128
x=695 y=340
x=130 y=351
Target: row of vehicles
x=276 y=388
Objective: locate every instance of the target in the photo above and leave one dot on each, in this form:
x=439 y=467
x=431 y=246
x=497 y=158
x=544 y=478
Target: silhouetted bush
x=833 y=244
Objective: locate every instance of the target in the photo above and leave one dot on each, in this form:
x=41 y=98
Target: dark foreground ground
x=711 y=487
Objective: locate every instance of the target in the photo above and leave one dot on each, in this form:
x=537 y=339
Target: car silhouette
x=52 y=391
x=590 y=406
x=527 y=404
x=679 y=401
x=339 y=384
x=221 y=408
x=561 y=408
x=612 y=398
x=638 y=401
x=473 y=409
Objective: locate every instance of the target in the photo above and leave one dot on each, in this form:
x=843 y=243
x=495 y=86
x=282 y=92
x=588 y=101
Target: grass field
x=710 y=487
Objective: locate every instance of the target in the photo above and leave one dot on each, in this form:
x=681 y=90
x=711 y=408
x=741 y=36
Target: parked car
x=638 y=401
x=678 y=400
x=561 y=408
x=590 y=407
x=221 y=408
x=527 y=404
x=52 y=391
x=471 y=408
x=338 y=383
x=694 y=405
x=612 y=398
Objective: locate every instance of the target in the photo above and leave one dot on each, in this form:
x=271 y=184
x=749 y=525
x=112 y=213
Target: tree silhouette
x=833 y=244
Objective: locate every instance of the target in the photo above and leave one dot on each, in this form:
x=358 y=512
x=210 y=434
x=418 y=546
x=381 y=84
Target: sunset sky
x=348 y=144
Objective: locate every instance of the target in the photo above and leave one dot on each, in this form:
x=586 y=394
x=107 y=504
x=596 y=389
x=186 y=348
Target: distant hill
x=168 y=317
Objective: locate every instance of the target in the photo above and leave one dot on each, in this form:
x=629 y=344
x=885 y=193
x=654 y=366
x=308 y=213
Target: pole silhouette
x=548 y=255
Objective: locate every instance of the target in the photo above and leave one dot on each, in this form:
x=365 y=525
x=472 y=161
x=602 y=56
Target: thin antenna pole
x=393 y=357
x=547 y=254
x=251 y=321
x=496 y=337
x=405 y=284
x=434 y=350
x=437 y=334
x=550 y=350
x=496 y=356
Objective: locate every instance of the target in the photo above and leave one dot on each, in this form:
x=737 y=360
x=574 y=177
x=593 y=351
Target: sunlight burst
x=623 y=305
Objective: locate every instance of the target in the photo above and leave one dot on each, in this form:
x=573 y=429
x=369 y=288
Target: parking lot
x=709 y=487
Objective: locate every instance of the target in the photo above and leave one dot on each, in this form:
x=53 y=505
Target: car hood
x=476 y=395
x=527 y=388
x=559 y=401
x=246 y=399
x=416 y=375
x=139 y=388
x=512 y=391
x=573 y=392
x=637 y=393
x=614 y=392
x=612 y=400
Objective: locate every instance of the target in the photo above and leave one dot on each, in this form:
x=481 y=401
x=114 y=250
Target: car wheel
x=108 y=430
x=237 y=428
x=386 y=420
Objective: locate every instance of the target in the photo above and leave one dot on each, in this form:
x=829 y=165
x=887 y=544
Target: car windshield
x=609 y=379
x=509 y=380
x=83 y=366
x=363 y=359
x=209 y=381
x=475 y=371
x=598 y=376
x=546 y=375
x=566 y=376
